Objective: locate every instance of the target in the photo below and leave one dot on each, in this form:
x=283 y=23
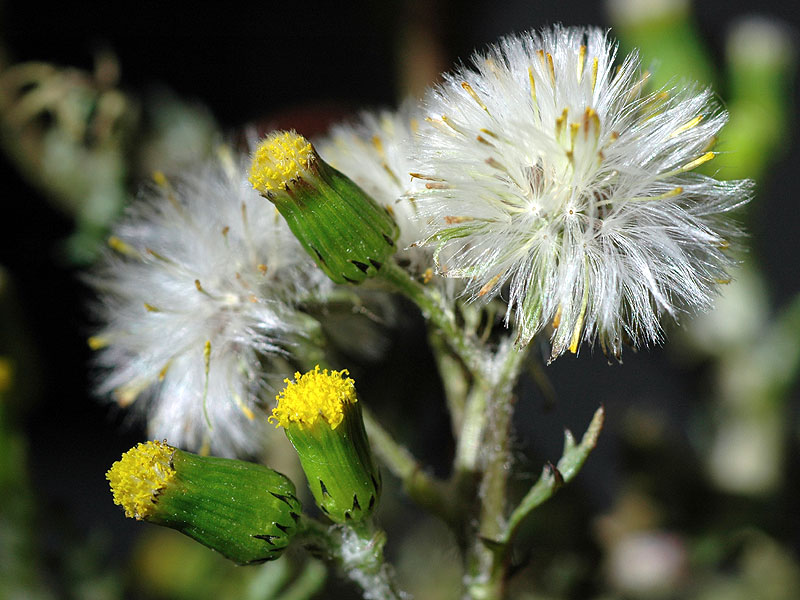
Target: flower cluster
x=198 y=294
x=550 y=175
x=544 y=173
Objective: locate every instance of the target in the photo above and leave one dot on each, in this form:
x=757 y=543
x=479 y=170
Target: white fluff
x=577 y=198
x=212 y=228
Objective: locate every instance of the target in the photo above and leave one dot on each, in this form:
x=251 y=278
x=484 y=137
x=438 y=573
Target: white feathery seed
x=197 y=296
x=550 y=175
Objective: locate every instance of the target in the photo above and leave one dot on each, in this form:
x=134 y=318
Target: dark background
x=288 y=61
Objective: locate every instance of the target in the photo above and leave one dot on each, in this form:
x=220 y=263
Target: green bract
x=346 y=232
x=246 y=512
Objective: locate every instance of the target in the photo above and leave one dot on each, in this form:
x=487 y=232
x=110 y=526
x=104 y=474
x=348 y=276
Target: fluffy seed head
x=198 y=302
x=557 y=180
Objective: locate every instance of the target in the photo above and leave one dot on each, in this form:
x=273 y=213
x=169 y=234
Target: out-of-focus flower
x=549 y=172
x=648 y=564
x=199 y=294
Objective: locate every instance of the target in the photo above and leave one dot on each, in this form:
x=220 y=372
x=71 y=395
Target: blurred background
x=692 y=491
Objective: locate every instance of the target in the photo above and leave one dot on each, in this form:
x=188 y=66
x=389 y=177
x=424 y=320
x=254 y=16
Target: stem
x=357 y=549
x=435 y=310
x=454 y=379
x=427 y=491
x=486 y=561
x=468 y=446
x=553 y=477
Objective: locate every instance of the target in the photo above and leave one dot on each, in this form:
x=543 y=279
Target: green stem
x=455 y=379
x=486 y=561
x=435 y=309
x=470 y=438
x=424 y=489
x=308 y=584
x=553 y=477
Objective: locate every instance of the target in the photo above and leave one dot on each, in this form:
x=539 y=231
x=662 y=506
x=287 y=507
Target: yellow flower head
x=280 y=157
x=317 y=394
x=138 y=477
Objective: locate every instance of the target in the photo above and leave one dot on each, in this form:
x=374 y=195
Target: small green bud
x=343 y=229
x=322 y=419
x=246 y=512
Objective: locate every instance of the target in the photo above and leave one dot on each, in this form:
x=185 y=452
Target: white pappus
x=197 y=295
x=551 y=175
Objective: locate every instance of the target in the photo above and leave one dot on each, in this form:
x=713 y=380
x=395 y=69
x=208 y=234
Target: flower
x=550 y=173
x=322 y=418
x=197 y=300
x=348 y=234
x=245 y=511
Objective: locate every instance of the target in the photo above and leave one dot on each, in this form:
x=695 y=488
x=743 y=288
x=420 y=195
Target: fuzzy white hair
x=551 y=175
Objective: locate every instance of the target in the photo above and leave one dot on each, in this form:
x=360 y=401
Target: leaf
x=553 y=477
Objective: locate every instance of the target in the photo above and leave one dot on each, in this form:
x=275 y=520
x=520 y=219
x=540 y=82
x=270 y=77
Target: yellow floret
x=138 y=477
x=313 y=396
x=279 y=158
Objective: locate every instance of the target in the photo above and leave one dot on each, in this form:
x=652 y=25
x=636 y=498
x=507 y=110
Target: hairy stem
x=455 y=379
x=486 y=560
x=357 y=550
x=437 y=312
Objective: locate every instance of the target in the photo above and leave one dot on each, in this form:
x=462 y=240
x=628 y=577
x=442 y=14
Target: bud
x=246 y=512
x=322 y=419
x=346 y=232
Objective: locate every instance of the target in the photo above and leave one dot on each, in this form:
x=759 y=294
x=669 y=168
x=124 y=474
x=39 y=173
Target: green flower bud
x=246 y=512
x=322 y=419
x=346 y=232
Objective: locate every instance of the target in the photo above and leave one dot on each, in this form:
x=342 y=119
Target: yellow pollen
x=126 y=394
x=378 y=144
x=686 y=126
x=457 y=220
x=281 y=157
x=313 y=396
x=139 y=476
x=474 y=95
x=163 y=372
x=581 y=61
x=449 y=122
x=533 y=85
x=490 y=284
x=96 y=342
x=118 y=245
x=551 y=68
x=557 y=318
x=698 y=161
x=160 y=179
